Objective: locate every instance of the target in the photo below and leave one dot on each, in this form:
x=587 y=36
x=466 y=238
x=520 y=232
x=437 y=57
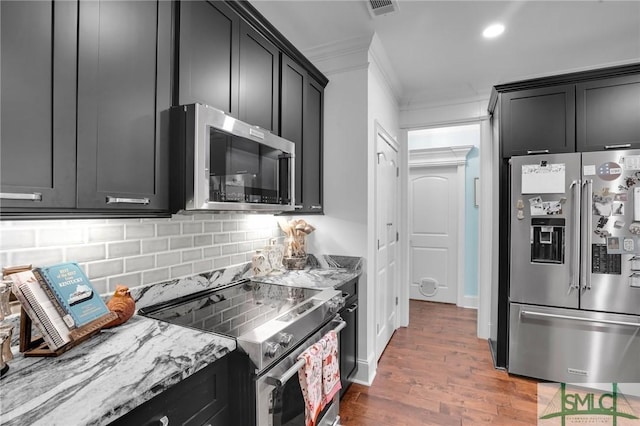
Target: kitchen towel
x=330 y=367
x=310 y=378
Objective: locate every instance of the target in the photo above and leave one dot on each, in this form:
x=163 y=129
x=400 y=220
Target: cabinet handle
x=118 y=200
x=623 y=145
x=352 y=308
x=316 y=207
x=164 y=421
x=298 y=206
x=538 y=151
x=36 y=196
x=346 y=295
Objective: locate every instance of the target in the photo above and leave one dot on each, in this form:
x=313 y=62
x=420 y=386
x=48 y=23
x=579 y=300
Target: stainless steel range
x=272 y=325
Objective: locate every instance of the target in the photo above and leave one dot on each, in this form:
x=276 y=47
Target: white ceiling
x=439 y=55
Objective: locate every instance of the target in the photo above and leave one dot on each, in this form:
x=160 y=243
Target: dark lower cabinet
x=124 y=94
x=608 y=114
x=38 y=105
x=540 y=120
x=349 y=334
x=200 y=399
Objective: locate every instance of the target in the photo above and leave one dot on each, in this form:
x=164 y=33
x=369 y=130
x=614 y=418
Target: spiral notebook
x=41 y=309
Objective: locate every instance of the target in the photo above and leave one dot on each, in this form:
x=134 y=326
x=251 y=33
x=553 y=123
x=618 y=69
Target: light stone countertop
x=106 y=376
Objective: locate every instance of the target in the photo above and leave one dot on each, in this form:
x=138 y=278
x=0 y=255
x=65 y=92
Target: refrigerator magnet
x=628 y=244
x=613 y=245
x=609 y=171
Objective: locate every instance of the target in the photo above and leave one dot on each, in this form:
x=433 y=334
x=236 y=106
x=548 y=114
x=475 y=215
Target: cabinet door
x=259 y=74
x=292 y=101
x=608 y=113
x=208 y=46
x=37 y=112
x=312 y=154
x=538 y=121
x=124 y=80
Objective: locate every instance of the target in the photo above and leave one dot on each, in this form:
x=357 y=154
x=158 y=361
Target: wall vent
x=382 y=7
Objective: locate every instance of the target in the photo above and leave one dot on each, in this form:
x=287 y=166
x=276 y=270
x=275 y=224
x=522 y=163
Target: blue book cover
x=74 y=291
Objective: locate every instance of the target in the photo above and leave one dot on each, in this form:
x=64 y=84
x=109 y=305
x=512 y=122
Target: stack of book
x=58 y=299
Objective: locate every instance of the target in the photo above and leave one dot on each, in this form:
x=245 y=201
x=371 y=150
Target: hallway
x=437 y=372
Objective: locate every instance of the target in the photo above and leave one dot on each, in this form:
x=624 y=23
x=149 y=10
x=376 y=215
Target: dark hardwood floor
x=437 y=372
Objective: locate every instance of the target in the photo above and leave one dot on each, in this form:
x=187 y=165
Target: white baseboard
x=366 y=372
x=470 y=302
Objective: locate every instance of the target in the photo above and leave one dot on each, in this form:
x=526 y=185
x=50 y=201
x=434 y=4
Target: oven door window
x=243 y=170
x=288 y=404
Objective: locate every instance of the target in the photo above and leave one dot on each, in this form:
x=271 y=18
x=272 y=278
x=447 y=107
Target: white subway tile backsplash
x=167 y=229
x=137 y=251
x=182 y=271
x=155 y=276
x=221 y=262
x=130 y=280
x=221 y=238
x=212 y=226
x=168 y=259
x=212 y=251
x=48 y=237
x=105 y=268
x=86 y=253
x=230 y=249
x=191 y=255
x=229 y=226
x=16 y=239
x=106 y=233
x=139 y=231
x=123 y=249
x=192 y=228
x=37 y=257
x=202 y=266
x=140 y=263
x=177 y=243
x=155 y=245
x=203 y=240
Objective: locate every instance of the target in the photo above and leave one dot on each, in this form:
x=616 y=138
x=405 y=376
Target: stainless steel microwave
x=219 y=163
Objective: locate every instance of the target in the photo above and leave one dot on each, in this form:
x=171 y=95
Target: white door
x=387 y=194
x=433 y=227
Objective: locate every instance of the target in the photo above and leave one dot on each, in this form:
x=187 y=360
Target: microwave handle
x=279 y=381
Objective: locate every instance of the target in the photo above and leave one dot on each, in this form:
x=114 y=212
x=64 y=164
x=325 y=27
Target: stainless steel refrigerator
x=574 y=295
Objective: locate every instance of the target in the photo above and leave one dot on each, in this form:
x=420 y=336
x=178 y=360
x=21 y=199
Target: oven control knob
x=272 y=349
x=285 y=339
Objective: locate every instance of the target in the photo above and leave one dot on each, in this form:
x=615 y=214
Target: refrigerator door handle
x=585 y=279
x=572 y=318
x=575 y=261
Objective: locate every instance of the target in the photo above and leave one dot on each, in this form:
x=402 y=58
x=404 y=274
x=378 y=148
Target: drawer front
x=573 y=346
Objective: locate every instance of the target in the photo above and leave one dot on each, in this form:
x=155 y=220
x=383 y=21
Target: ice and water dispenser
x=547 y=240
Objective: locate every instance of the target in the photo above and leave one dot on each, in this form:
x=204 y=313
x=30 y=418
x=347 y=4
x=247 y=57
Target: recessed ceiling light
x=493 y=30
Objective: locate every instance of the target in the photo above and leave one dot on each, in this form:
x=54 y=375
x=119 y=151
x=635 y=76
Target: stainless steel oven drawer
x=573 y=346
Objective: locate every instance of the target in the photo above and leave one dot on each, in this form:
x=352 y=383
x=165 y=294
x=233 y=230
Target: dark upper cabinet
x=540 y=120
x=301 y=110
x=38 y=105
x=124 y=93
x=208 y=45
x=608 y=113
x=312 y=158
x=258 y=79
x=225 y=63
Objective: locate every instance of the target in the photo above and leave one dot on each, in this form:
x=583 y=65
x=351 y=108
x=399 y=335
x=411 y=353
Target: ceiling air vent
x=382 y=7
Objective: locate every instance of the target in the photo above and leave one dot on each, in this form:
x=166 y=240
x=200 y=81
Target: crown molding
x=436 y=157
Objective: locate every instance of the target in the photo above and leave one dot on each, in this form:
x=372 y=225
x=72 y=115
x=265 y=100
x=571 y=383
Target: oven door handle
x=279 y=381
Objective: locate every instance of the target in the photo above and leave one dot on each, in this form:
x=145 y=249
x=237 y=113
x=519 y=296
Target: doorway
x=443 y=176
